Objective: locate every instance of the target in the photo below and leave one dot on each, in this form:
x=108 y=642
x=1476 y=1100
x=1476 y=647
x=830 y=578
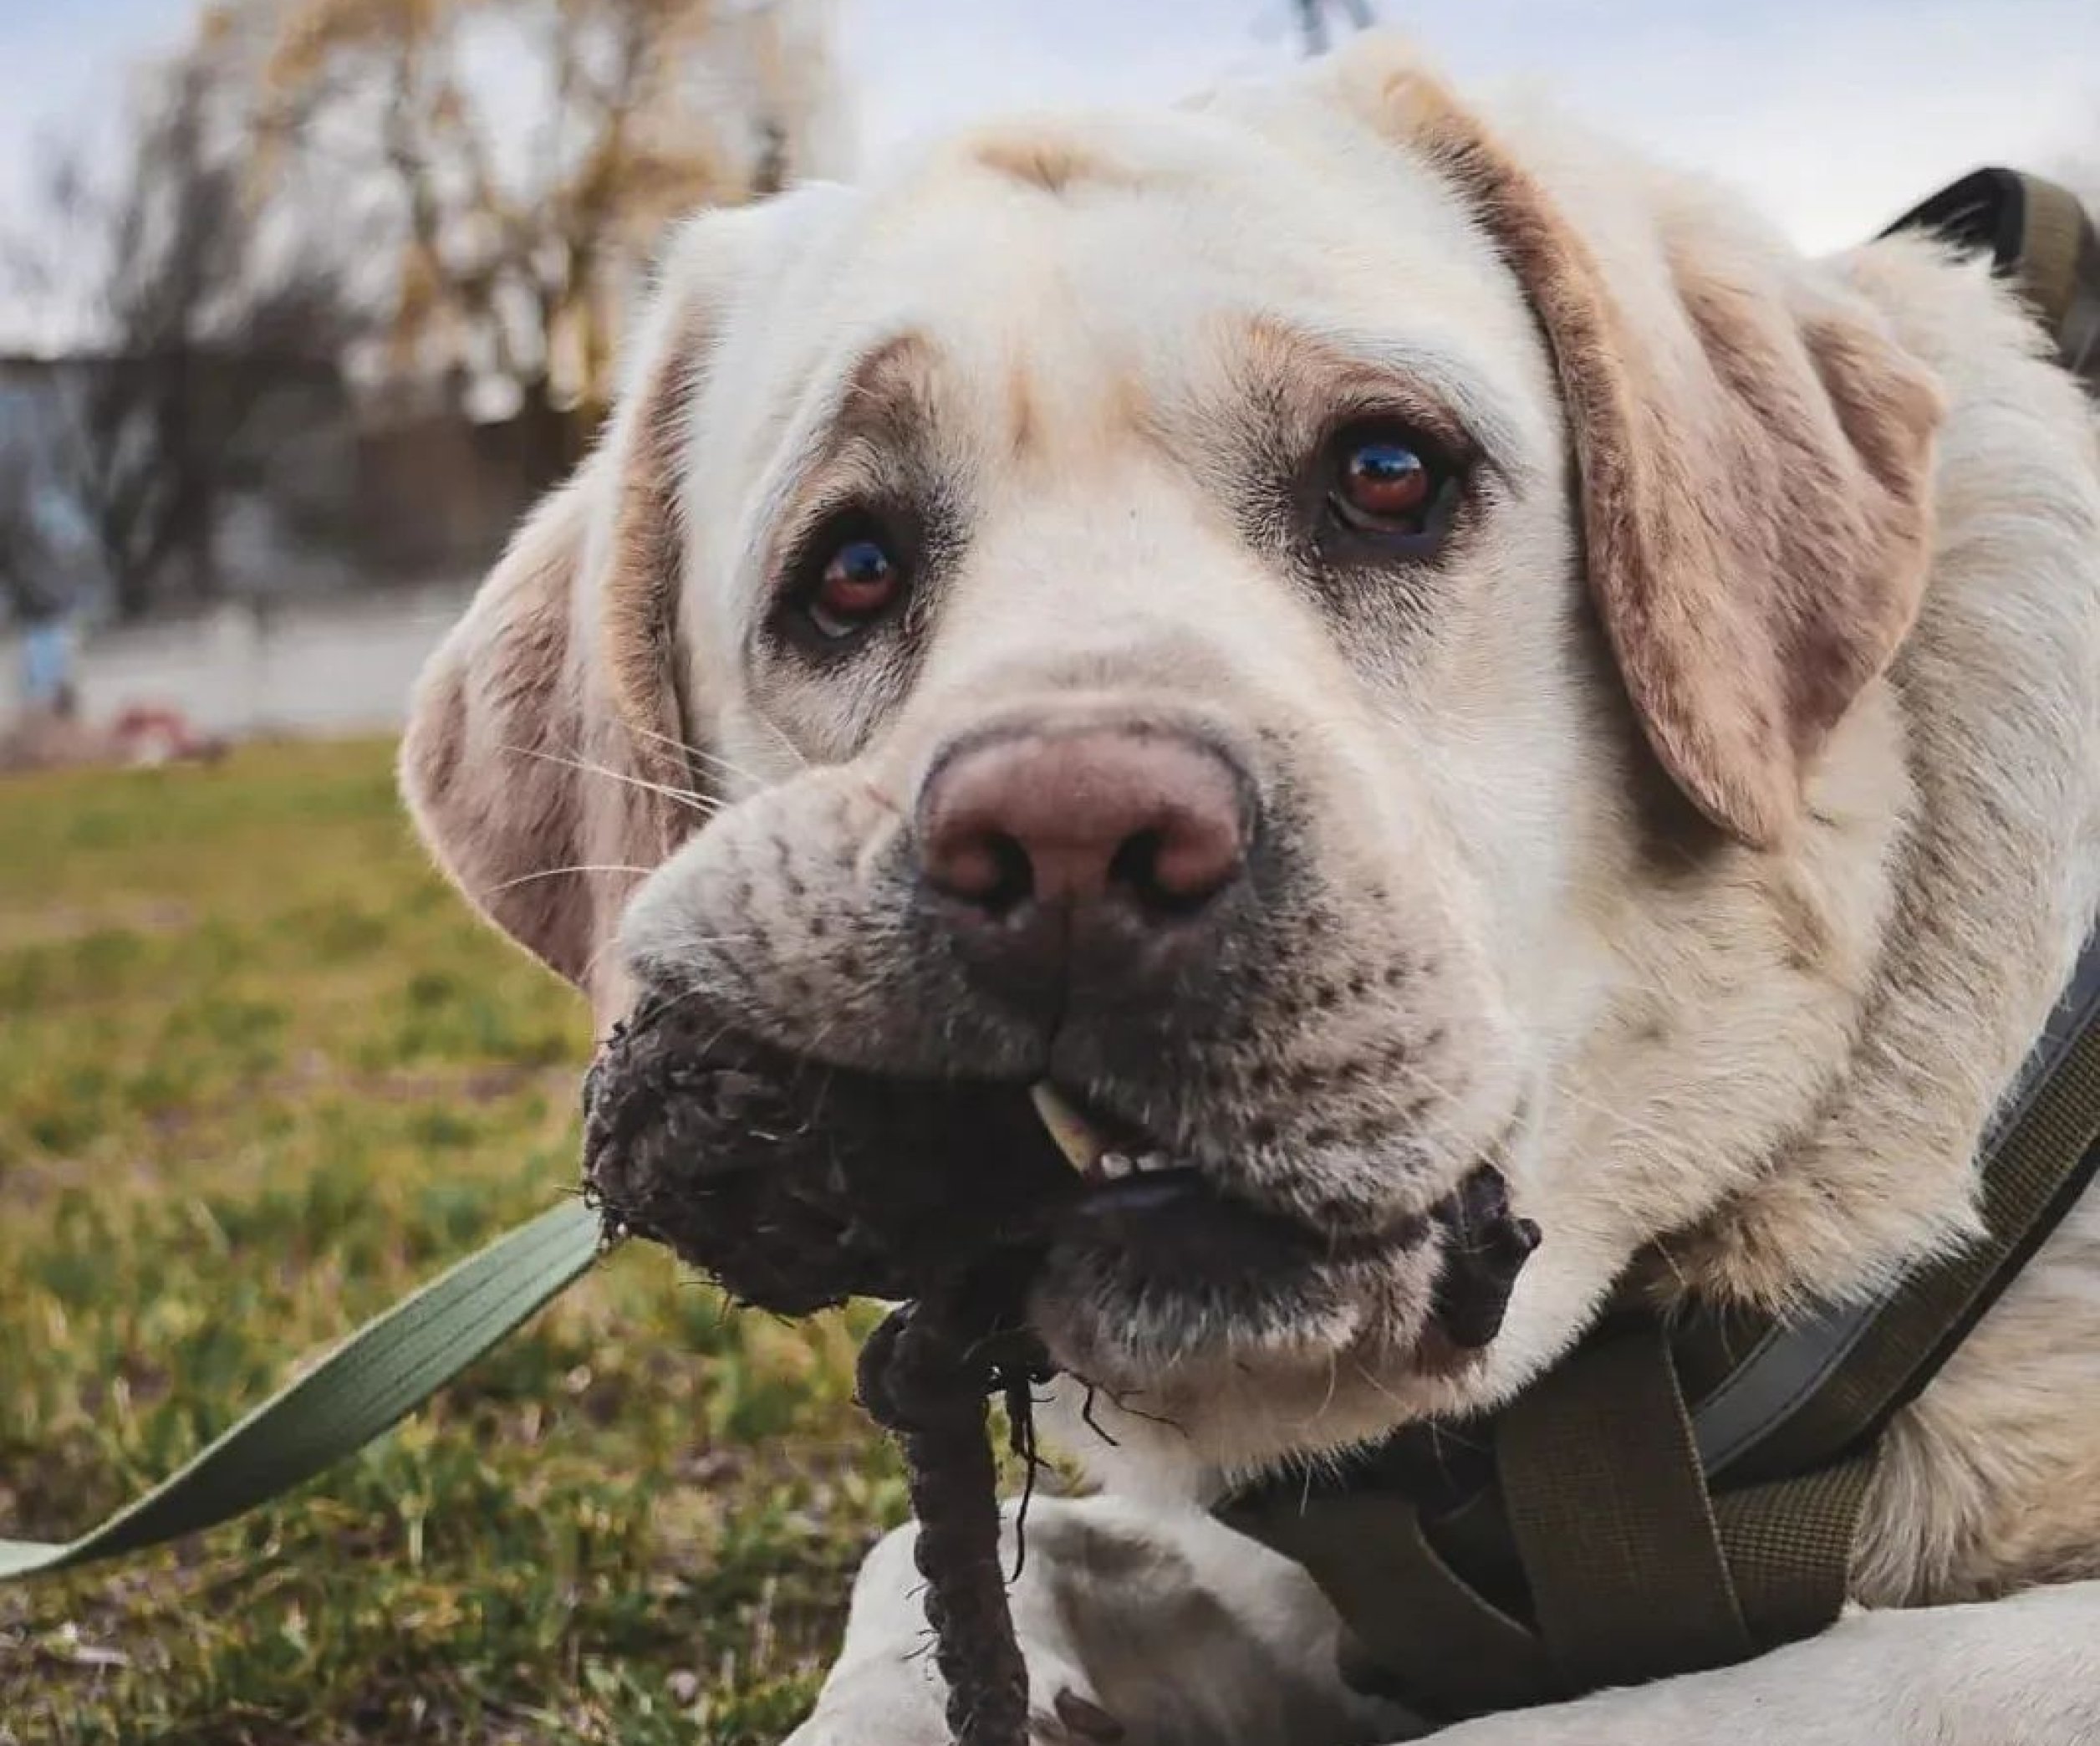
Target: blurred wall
x=433 y=490
x=334 y=664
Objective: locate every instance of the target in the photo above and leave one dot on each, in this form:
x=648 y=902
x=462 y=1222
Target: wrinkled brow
x=888 y=395
x=1302 y=366
x=875 y=422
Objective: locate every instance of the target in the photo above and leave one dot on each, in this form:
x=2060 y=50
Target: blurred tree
x=530 y=152
x=189 y=307
x=1313 y=20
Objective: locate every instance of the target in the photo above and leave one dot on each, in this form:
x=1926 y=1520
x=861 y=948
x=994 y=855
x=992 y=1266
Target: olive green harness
x=1673 y=1497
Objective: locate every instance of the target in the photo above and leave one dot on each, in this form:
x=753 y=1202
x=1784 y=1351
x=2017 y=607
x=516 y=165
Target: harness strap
x=1790 y=1546
x=2036 y=233
x=1620 y=1565
x=1412 y=1627
x=1828 y=1385
x=1600 y=1546
x=1610 y=1517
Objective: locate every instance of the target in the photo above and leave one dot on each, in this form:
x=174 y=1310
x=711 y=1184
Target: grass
x=260 y=1072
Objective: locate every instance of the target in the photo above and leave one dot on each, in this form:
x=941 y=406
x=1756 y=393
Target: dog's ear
x=1754 y=450
x=545 y=759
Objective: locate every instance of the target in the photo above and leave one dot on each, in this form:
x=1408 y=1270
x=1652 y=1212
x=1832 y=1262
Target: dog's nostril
x=1168 y=875
x=1181 y=864
x=1135 y=867
x=990 y=870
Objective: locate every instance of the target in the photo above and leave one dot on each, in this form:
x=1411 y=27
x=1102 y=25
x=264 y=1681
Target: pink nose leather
x=1148 y=821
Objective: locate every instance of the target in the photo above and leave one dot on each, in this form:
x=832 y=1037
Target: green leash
x=390 y=1366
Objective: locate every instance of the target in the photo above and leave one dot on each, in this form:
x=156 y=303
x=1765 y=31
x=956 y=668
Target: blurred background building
x=335 y=297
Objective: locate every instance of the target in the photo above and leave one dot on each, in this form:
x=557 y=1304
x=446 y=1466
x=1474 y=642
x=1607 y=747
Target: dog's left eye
x=1390 y=484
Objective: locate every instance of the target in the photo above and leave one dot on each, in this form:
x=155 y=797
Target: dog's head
x=1309 y=629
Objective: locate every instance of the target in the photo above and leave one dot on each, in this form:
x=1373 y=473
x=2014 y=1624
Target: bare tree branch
x=196 y=310
x=515 y=241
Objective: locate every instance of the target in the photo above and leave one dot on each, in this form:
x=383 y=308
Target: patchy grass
x=260 y=1072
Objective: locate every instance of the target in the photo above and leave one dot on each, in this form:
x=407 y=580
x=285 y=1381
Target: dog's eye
x=1391 y=484
x=858 y=578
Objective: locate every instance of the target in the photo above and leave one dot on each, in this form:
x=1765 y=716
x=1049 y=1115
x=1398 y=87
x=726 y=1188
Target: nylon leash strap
x=390 y=1366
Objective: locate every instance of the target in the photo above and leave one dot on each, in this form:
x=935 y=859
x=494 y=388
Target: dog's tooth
x=1113 y=1166
x=1068 y=1129
x=1151 y=1161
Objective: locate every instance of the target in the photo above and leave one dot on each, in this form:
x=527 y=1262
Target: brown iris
x=1382 y=480
x=859 y=582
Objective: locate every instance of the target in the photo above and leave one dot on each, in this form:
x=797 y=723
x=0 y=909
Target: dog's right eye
x=856 y=575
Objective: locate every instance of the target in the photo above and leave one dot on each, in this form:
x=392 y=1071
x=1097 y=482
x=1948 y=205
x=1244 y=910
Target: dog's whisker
x=684 y=746
x=1661 y=1250
x=780 y=734
x=693 y=798
x=1633 y=1126
x=598 y=954
x=1453 y=1137
x=1333 y=1384
x=580 y=867
x=727 y=767
x=684 y=796
x=702 y=755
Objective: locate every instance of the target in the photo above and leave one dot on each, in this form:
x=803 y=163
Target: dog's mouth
x=796 y=1185
x=1147 y=1224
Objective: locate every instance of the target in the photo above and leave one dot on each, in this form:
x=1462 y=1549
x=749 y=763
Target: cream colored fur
x=1766 y=1059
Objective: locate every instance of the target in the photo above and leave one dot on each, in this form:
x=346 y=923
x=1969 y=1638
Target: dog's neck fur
x=1976 y=763
x=1994 y=874
x=1995 y=890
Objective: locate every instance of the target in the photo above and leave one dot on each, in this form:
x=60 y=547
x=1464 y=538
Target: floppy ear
x=1754 y=454
x=543 y=761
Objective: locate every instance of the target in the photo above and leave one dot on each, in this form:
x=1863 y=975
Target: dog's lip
x=1175 y=1227
x=1129 y=1173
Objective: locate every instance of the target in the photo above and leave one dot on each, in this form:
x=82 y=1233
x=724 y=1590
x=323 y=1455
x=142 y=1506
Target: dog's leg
x=1154 y=1627
x=2024 y=1672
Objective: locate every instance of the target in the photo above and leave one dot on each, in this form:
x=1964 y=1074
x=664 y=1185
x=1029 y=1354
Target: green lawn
x=260 y=1072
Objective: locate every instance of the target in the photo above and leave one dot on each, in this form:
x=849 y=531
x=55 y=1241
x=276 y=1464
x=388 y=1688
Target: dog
x=1363 y=635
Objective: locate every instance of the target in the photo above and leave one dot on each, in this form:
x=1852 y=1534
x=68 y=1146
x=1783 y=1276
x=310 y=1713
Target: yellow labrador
x=1363 y=638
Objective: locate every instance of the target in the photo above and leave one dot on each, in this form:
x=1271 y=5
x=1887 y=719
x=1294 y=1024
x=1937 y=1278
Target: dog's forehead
x=1122 y=245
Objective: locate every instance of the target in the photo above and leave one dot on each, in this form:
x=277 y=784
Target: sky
x=1832 y=115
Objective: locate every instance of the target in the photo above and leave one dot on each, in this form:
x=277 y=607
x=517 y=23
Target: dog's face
x=1197 y=611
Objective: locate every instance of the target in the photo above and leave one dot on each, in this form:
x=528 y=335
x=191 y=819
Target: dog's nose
x=1035 y=837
